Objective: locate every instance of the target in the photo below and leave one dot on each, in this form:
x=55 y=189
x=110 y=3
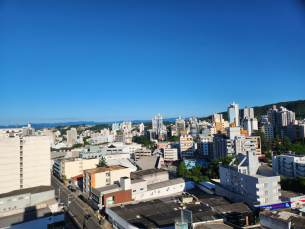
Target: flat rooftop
x=146 y=172
x=286 y=215
x=104 y=169
x=167 y=183
x=230 y=208
x=213 y=226
x=33 y=190
x=165 y=212
x=288 y=193
x=107 y=188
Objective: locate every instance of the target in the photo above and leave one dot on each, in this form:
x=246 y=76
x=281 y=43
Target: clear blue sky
x=123 y=60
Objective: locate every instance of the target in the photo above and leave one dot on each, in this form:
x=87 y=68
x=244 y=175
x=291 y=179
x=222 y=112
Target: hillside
x=296 y=106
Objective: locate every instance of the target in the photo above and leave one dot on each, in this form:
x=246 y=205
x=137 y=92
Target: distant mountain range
x=296 y=106
x=49 y=125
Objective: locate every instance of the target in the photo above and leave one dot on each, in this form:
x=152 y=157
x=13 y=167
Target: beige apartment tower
x=24 y=160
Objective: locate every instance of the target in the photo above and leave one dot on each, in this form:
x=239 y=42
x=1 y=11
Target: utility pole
x=59 y=193
x=70 y=195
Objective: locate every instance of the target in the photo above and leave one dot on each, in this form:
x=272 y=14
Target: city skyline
x=109 y=61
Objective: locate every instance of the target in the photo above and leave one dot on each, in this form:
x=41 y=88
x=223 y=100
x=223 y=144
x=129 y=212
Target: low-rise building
x=285 y=218
x=143 y=152
x=71 y=167
x=159 y=213
x=289 y=165
x=102 y=139
x=103 y=176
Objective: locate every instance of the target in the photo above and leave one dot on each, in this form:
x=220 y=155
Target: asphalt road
x=77 y=208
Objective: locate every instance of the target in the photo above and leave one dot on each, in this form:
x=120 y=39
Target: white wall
x=164 y=191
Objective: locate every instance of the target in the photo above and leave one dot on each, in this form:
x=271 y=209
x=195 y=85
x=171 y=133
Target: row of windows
x=10 y=200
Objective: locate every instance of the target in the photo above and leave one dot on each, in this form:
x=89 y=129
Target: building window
x=9 y=200
x=266 y=193
x=20 y=198
x=134 y=190
x=265 y=185
x=141 y=189
x=266 y=200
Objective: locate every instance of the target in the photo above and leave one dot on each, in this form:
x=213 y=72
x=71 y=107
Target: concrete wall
x=164 y=191
x=90 y=163
x=156 y=177
x=269 y=222
x=139 y=187
x=119 y=197
x=42 y=196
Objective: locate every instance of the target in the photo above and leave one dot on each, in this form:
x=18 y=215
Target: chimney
x=125 y=183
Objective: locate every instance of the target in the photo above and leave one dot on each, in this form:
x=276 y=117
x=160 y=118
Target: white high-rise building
x=193 y=127
x=141 y=127
x=186 y=145
x=24 y=160
x=250 y=124
x=233 y=114
x=158 y=128
x=126 y=126
x=71 y=135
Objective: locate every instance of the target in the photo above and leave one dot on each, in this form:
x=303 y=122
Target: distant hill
x=296 y=106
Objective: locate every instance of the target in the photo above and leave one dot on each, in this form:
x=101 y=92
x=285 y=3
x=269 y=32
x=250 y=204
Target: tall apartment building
x=289 y=165
x=103 y=176
x=269 y=131
x=115 y=126
x=105 y=132
x=158 y=128
x=71 y=135
x=71 y=167
x=120 y=137
x=141 y=127
x=205 y=146
x=24 y=160
x=170 y=154
x=248 y=183
x=180 y=125
x=247 y=113
x=250 y=124
x=186 y=145
x=281 y=116
x=258 y=144
x=193 y=127
x=126 y=126
x=219 y=122
x=233 y=114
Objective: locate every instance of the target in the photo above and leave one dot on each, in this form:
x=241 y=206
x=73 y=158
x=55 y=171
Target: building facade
x=186 y=146
x=24 y=160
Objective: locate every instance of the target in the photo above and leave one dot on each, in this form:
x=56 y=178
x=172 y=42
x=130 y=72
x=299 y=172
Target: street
x=77 y=208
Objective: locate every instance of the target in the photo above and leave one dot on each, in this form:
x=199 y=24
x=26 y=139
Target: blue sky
x=124 y=60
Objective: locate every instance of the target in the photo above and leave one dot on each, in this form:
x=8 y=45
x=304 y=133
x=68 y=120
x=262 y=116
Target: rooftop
x=213 y=226
x=33 y=190
x=139 y=174
x=104 y=169
x=286 y=215
x=230 y=208
x=165 y=212
x=148 y=162
x=78 y=177
x=107 y=188
x=164 y=184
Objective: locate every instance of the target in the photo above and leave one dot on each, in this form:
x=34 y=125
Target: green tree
x=102 y=163
x=213 y=171
x=195 y=139
x=182 y=170
x=174 y=138
x=286 y=143
x=64 y=178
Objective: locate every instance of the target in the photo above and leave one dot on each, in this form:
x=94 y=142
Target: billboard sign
x=298 y=202
x=274 y=206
